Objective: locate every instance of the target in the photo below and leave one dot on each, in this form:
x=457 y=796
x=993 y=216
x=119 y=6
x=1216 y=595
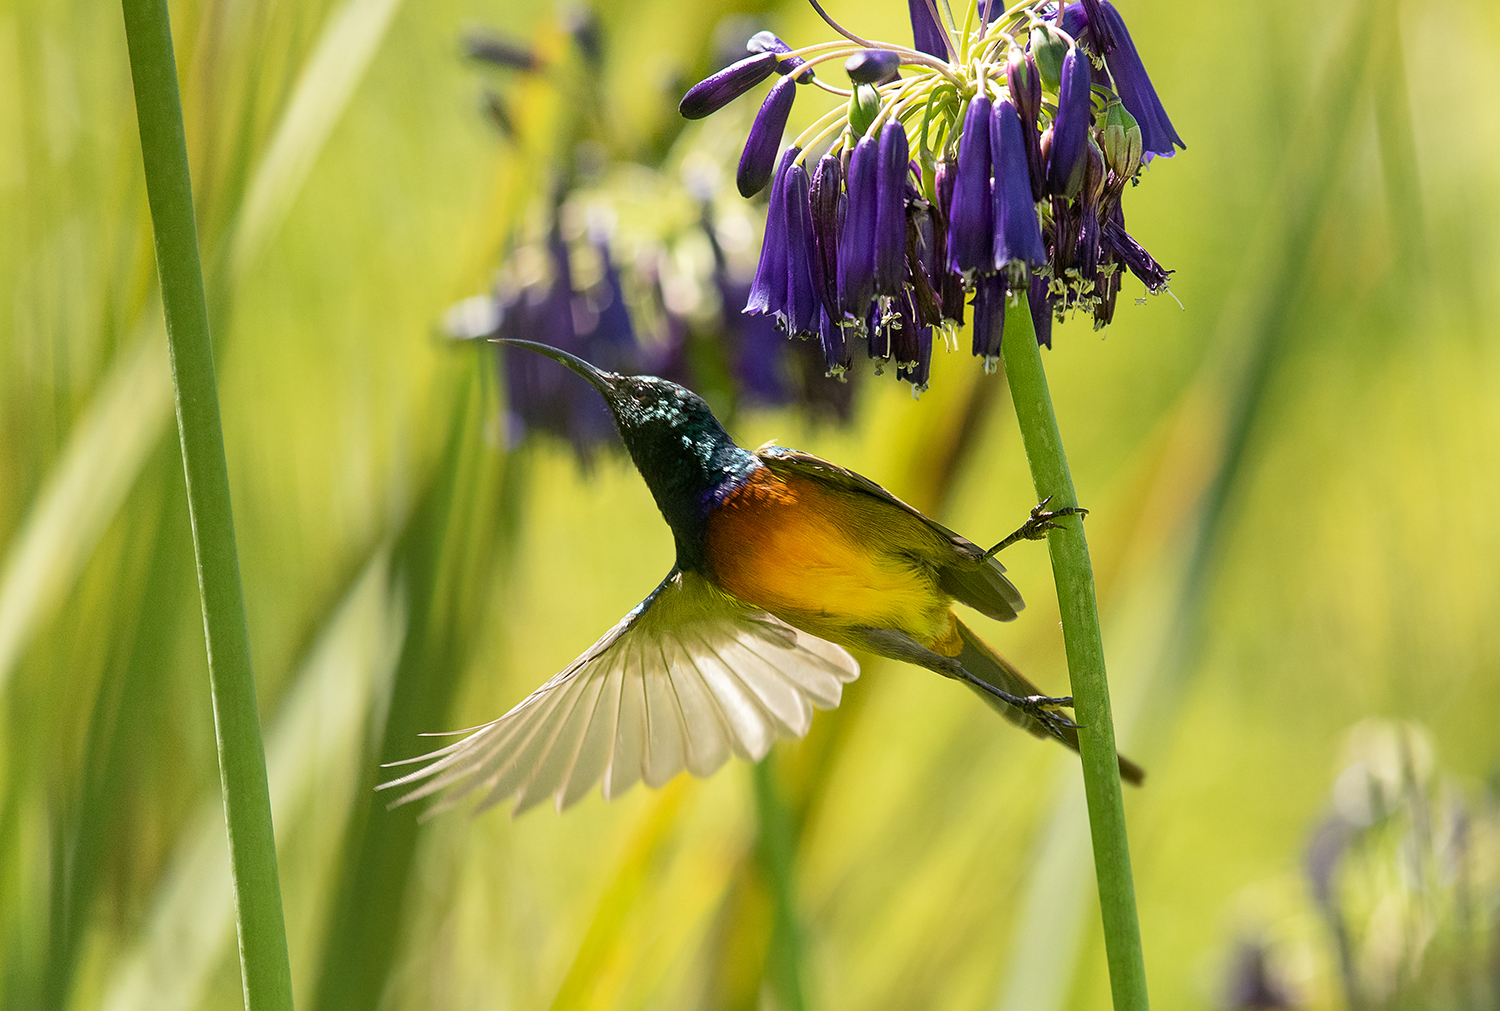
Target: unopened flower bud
x=890 y=210
x=856 y=259
x=759 y=157
x=1121 y=141
x=872 y=66
x=971 y=216
x=1071 y=128
x=713 y=93
x=1049 y=46
x=864 y=106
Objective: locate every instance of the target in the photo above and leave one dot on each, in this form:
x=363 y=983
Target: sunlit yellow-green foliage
x=1294 y=478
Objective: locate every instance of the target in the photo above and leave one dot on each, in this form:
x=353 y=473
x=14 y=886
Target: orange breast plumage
x=824 y=560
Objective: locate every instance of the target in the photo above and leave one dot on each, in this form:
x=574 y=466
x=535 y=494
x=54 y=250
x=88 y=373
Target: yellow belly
x=795 y=549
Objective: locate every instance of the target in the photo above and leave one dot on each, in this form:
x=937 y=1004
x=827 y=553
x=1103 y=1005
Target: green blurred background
x=1294 y=478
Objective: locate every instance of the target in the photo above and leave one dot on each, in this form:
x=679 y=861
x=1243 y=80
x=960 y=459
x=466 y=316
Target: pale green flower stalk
x=1084 y=644
x=264 y=966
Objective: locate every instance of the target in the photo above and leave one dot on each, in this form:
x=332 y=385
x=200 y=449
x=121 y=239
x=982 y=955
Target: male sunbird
x=783 y=560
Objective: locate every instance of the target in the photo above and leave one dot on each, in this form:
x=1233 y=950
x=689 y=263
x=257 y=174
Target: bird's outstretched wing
x=966 y=573
x=686 y=679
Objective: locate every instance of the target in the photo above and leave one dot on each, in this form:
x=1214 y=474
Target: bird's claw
x=1042 y=519
x=1040 y=708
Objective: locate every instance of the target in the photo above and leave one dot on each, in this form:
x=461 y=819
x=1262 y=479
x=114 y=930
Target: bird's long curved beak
x=604 y=382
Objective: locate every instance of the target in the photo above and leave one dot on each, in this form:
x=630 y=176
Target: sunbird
x=784 y=562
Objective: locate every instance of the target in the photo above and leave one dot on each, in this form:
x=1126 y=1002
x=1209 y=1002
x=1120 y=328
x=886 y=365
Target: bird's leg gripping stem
x=1036 y=526
x=899 y=646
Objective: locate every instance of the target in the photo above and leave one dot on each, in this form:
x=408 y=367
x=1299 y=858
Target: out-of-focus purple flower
x=856 y=259
x=501 y=51
x=759 y=156
x=768 y=290
x=1041 y=310
x=1071 y=128
x=989 y=315
x=1018 y=245
x=611 y=344
x=927 y=35
x=800 y=317
x=713 y=93
x=890 y=209
x=872 y=66
x=538 y=397
x=1134 y=256
x=1252 y=984
x=1024 y=82
x=826 y=202
x=971 y=228
x=767 y=42
x=1134 y=86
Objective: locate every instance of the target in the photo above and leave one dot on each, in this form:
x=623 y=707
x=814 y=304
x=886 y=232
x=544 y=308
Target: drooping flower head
x=985 y=163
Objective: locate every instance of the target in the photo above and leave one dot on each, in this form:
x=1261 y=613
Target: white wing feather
x=686 y=679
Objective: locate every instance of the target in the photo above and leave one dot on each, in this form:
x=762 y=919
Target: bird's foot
x=1040 y=708
x=1037 y=524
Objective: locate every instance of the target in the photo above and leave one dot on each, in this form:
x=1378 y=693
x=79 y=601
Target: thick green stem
x=264 y=967
x=1085 y=649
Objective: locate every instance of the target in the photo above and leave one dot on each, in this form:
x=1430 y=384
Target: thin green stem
x=264 y=966
x=1085 y=649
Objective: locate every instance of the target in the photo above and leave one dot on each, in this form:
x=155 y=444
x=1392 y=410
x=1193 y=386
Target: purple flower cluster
x=599 y=293
x=982 y=169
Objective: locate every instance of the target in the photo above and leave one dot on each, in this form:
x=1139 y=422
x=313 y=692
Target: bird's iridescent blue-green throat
x=783 y=560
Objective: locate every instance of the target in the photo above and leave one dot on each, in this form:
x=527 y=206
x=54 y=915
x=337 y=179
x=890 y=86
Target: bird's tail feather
x=987 y=665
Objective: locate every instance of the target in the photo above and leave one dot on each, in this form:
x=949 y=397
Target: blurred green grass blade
x=84 y=490
x=776 y=852
x=442 y=563
x=111 y=440
x=343 y=53
x=619 y=898
x=120 y=725
x=1052 y=917
x=319 y=728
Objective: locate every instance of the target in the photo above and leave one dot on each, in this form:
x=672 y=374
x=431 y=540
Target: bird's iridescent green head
x=684 y=454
